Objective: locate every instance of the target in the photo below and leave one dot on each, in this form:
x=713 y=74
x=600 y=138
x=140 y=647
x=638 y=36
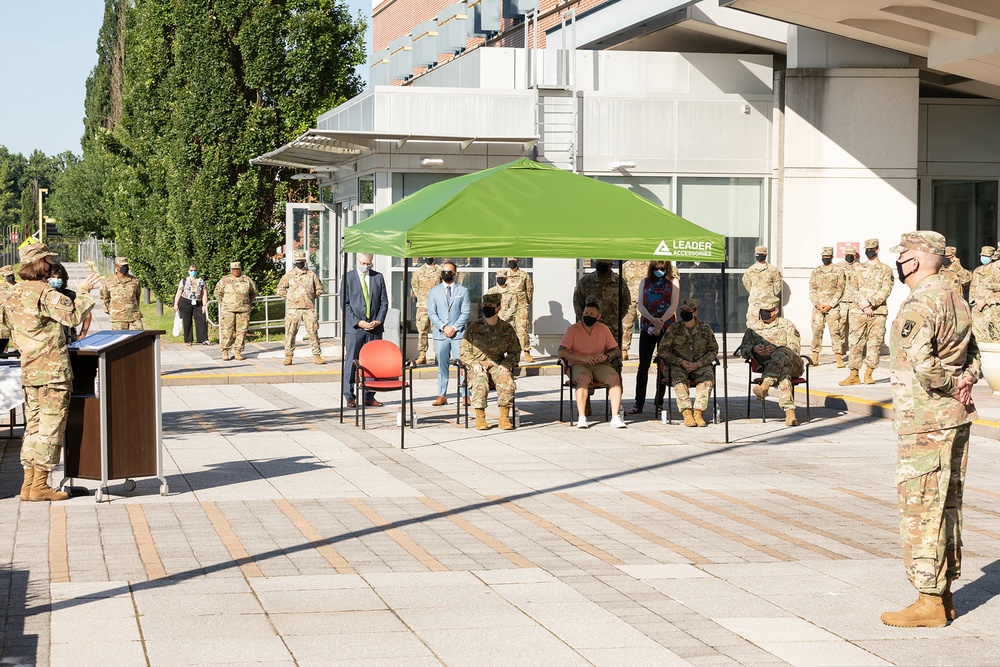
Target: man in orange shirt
x=590 y=347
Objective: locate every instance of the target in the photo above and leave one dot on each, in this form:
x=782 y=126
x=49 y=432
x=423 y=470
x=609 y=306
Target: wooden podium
x=115 y=427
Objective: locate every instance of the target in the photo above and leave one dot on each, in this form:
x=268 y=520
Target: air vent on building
x=401 y=58
x=378 y=74
x=518 y=8
x=425 y=44
x=485 y=17
x=453 y=28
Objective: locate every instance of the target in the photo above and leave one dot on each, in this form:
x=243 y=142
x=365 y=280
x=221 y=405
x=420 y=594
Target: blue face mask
x=56 y=283
x=984 y=260
x=192 y=273
x=659 y=273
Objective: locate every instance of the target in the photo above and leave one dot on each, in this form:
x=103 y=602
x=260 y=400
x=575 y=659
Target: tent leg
x=725 y=352
x=621 y=334
x=404 y=296
x=343 y=332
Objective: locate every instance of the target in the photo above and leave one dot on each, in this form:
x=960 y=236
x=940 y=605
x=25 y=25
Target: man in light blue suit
x=448 y=308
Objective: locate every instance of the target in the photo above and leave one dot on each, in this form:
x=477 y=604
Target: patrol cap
x=949 y=251
x=299 y=255
x=235 y=265
x=923 y=240
x=760 y=250
x=770 y=302
x=871 y=244
x=828 y=251
x=512 y=259
x=491 y=299
x=689 y=304
x=849 y=249
x=7 y=270
x=35 y=251
x=120 y=261
x=987 y=251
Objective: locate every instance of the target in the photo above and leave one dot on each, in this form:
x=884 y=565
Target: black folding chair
x=751 y=380
x=663 y=376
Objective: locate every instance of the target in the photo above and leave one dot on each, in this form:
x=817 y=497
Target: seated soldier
x=689 y=348
x=773 y=342
x=590 y=349
x=491 y=349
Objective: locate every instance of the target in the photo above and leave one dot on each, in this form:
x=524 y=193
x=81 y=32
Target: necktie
x=447 y=292
x=368 y=301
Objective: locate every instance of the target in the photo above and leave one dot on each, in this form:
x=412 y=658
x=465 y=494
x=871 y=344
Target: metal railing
x=98 y=253
x=273 y=308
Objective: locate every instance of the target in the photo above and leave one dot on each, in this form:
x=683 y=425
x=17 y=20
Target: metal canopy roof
x=333 y=147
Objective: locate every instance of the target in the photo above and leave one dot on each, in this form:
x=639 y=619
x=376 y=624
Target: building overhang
x=958 y=37
x=322 y=148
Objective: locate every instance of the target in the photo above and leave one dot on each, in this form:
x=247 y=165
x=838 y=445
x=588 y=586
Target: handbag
x=178 y=324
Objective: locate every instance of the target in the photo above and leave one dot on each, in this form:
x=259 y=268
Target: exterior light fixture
x=622 y=166
x=431 y=162
x=325 y=169
x=303 y=177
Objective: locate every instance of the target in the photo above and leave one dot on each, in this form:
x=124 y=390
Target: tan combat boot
x=815 y=359
x=318 y=360
x=760 y=391
x=288 y=360
x=40 y=489
x=790 y=419
x=851 y=379
x=868 y=375
x=225 y=355
x=927 y=612
x=422 y=359
x=688 y=417
x=481 y=424
x=699 y=419
x=527 y=358
x=840 y=361
x=948 y=602
x=505 y=424
x=29 y=478
x=624 y=355
x=238 y=356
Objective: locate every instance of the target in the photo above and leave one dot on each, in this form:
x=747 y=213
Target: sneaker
x=618 y=422
x=582 y=423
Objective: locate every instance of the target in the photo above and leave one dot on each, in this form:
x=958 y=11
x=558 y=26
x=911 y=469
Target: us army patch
x=913 y=323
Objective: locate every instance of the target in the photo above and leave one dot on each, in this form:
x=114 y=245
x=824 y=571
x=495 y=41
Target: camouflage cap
x=923 y=240
x=7 y=270
x=491 y=299
x=512 y=259
x=235 y=265
x=760 y=250
x=299 y=255
x=871 y=244
x=987 y=251
x=121 y=261
x=770 y=302
x=35 y=251
x=828 y=251
x=850 y=250
x=949 y=251
x=689 y=304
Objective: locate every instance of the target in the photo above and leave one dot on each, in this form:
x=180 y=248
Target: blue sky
x=47 y=49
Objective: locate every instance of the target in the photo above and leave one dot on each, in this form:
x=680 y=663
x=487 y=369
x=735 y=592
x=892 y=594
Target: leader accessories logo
x=685 y=248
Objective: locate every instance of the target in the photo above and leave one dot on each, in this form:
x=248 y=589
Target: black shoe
x=353 y=403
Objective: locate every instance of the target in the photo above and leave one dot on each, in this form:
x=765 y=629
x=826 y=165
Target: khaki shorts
x=603 y=373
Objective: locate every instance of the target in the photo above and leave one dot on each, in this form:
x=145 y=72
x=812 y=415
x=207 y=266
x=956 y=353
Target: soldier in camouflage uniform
x=425 y=276
x=7 y=273
x=762 y=281
x=977 y=296
x=848 y=302
x=490 y=351
x=868 y=316
x=120 y=295
x=773 y=342
x=300 y=287
x=826 y=287
x=36 y=314
x=604 y=287
x=634 y=271
x=520 y=284
x=954 y=272
x=508 y=300
x=934 y=364
x=235 y=294
x=689 y=348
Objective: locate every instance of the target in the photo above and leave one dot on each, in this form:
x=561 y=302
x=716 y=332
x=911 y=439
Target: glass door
x=965 y=212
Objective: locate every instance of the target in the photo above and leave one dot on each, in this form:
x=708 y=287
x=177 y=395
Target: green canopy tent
x=527 y=209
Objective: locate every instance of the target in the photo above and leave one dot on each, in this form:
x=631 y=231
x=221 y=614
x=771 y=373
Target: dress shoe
x=468 y=401
x=352 y=403
x=373 y=403
x=440 y=400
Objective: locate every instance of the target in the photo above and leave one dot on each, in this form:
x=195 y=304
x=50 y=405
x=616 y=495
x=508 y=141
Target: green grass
x=165 y=322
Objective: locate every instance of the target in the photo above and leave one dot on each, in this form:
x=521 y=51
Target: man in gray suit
x=448 y=308
x=365 y=306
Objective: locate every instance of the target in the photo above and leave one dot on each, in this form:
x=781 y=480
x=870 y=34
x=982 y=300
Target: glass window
x=656 y=189
x=965 y=212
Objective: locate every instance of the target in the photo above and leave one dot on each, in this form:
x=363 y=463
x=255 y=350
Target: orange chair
x=567 y=383
x=663 y=377
x=751 y=380
x=379 y=368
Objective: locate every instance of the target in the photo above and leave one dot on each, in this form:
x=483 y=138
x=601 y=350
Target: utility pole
x=41 y=218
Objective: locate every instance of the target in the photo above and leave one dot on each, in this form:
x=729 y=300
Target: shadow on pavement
x=17 y=648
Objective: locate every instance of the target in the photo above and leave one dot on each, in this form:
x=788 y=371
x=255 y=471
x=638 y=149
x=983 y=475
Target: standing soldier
x=300 y=287
x=634 y=271
x=762 y=281
x=773 y=342
x=960 y=275
x=848 y=302
x=868 y=316
x=508 y=300
x=235 y=294
x=491 y=350
x=6 y=286
x=977 y=296
x=934 y=364
x=425 y=276
x=520 y=284
x=604 y=287
x=36 y=313
x=120 y=295
x=826 y=287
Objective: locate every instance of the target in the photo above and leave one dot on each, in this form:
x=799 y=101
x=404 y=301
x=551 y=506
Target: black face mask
x=489 y=311
x=10 y=279
x=849 y=259
x=447 y=276
x=501 y=281
x=899 y=270
x=760 y=258
x=871 y=253
x=589 y=321
x=765 y=314
x=123 y=269
x=300 y=265
x=512 y=264
x=428 y=260
x=603 y=268
x=687 y=315
x=827 y=261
